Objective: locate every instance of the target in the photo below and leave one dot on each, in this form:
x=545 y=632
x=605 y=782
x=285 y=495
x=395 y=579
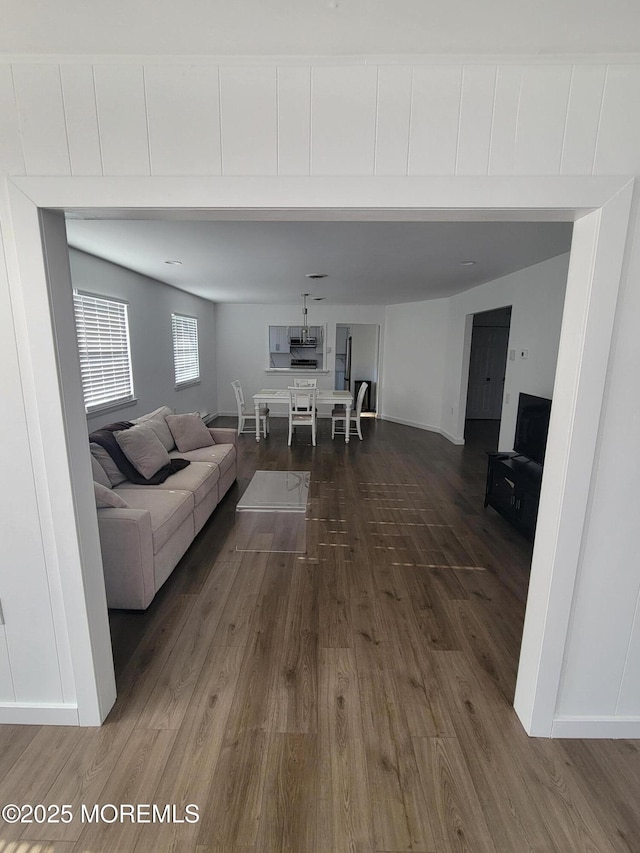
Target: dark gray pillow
x=143 y=449
x=189 y=432
x=106 y=497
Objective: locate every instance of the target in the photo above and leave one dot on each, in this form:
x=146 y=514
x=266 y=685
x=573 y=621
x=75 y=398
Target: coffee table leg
x=258 y=422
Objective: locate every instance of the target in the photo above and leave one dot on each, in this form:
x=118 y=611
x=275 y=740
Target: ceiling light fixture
x=304 y=331
x=468 y=263
x=174 y=263
x=315 y=275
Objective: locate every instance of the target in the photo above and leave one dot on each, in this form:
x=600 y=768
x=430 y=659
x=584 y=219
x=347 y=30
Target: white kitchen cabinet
x=278 y=339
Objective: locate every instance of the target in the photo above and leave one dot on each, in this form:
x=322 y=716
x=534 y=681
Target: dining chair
x=301 y=382
x=244 y=416
x=339 y=424
x=302 y=410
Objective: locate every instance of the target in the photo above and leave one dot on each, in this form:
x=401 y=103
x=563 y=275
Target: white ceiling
x=319 y=27
x=367 y=263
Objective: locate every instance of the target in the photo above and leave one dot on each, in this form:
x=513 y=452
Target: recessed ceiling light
x=315 y=275
x=468 y=263
x=174 y=263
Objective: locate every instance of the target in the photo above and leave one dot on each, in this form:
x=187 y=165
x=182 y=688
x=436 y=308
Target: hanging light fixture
x=304 y=331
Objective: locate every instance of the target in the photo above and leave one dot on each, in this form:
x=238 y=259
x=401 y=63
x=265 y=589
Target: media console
x=513 y=489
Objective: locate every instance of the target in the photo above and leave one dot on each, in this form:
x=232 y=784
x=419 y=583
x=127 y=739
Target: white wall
x=496 y=120
x=29 y=653
x=415 y=340
x=427 y=349
x=242 y=350
x=151 y=304
x=536 y=295
x=601 y=674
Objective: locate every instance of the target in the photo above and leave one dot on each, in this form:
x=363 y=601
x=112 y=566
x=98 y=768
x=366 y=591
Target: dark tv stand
x=513 y=489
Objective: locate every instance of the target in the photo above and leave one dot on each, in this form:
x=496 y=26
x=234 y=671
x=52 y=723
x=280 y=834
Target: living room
x=229 y=336
x=271 y=584
x=560 y=139
x=386 y=128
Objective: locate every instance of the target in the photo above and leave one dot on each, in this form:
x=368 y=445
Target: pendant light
x=304 y=331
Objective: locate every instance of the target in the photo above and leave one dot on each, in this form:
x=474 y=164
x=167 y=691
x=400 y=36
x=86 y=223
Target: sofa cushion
x=114 y=474
x=168 y=509
x=107 y=497
x=222 y=455
x=156 y=421
x=143 y=449
x=189 y=432
x=199 y=478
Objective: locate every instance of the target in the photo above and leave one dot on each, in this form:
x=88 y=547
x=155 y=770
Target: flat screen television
x=532 y=426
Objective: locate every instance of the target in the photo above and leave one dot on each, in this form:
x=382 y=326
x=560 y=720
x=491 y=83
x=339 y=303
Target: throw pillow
x=156 y=421
x=189 y=432
x=107 y=497
x=143 y=449
x=110 y=468
x=99 y=474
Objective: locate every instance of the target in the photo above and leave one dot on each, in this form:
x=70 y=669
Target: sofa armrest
x=223 y=435
x=126 y=541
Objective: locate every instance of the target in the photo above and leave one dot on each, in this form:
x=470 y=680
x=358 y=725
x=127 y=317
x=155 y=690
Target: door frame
x=378 y=358
x=30 y=216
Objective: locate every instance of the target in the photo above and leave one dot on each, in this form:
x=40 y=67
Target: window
x=102 y=328
x=185 y=350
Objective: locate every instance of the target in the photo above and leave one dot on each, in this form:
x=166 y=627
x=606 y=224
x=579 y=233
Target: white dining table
x=281 y=395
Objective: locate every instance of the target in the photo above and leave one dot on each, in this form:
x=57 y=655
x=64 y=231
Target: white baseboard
x=452 y=438
x=596 y=727
x=38 y=714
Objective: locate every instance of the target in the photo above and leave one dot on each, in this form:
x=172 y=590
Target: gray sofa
x=143 y=539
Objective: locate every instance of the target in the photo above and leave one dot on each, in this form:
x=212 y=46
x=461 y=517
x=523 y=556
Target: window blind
x=102 y=328
x=185 y=349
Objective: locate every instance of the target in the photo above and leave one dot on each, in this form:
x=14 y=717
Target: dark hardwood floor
x=356 y=698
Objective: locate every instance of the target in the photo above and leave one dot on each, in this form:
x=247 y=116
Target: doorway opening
x=487 y=372
x=601 y=214
x=357 y=350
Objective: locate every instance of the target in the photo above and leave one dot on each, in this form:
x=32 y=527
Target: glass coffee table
x=271 y=514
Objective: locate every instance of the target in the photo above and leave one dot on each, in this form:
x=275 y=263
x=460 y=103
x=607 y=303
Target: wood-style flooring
x=358 y=698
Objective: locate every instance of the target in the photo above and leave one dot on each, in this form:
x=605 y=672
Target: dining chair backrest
x=245 y=417
x=302 y=400
x=339 y=424
x=237 y=389
x=360 y=398
x=300 y=382
x=302 y=410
